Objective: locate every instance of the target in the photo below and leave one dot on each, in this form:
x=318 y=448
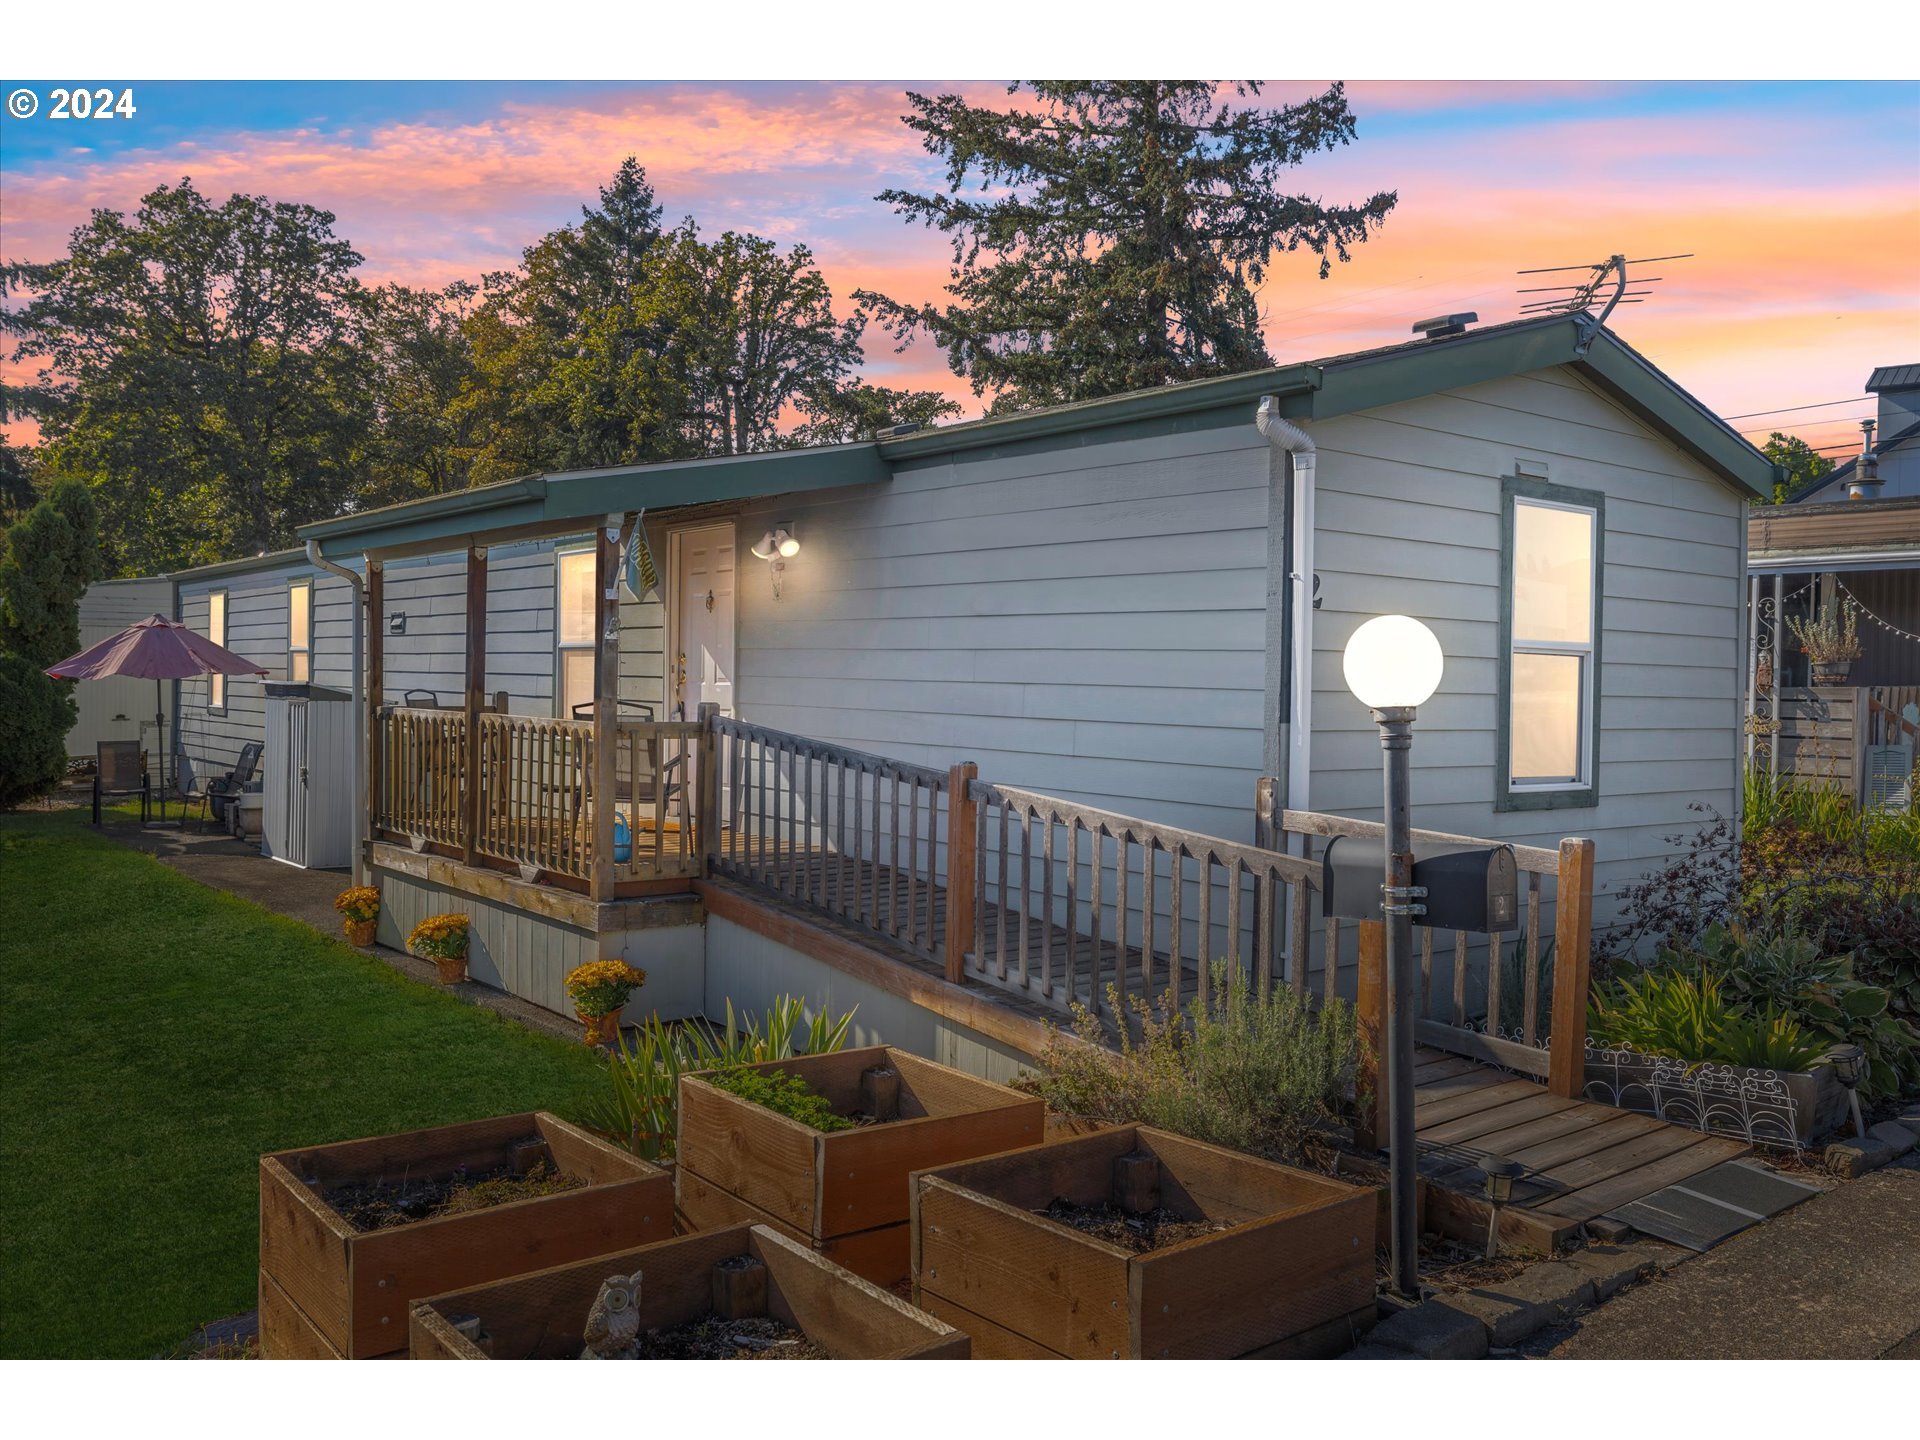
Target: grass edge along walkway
x=157 y=1037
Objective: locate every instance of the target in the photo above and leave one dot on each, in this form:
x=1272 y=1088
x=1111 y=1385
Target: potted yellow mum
x=443 y=940
x=599 y=989
x=359 y=908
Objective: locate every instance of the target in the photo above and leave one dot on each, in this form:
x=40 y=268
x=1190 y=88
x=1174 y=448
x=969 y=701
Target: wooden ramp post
x=963 y=855
x=1572 y=955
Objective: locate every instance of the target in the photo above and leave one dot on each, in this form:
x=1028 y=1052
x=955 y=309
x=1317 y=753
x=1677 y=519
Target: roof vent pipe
x=1297 y=757
x=1866 y=472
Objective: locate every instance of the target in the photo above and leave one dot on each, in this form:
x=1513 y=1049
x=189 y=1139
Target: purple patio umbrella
x=155 y=649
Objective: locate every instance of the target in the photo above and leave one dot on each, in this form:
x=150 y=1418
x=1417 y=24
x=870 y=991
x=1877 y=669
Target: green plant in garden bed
x=640 y=1105
x=1687 y=1018
x=1251 y=1072
x=1788 y=973
x=783 y=1094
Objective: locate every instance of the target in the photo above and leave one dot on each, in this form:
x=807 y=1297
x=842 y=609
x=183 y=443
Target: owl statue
x=613 y=1324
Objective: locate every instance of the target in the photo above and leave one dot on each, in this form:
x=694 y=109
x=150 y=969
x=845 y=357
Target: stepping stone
x=1850 y=1159
x=1539 y=1296
x=1433 y=1331
x=1895 y=1136
x=1610 y=1268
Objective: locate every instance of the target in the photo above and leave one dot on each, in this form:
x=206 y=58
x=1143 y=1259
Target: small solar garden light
x=1501 y=1173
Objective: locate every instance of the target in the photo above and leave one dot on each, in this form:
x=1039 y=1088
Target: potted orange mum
x=599 y=989
x=443 y=940
x=360 y=912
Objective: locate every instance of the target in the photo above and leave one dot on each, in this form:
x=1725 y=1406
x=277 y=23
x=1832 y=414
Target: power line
x=1809 y=424
x=1817 y=405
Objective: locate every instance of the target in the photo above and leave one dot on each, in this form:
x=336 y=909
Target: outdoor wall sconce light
x=1393 y=664
x=1850 y=1068
x=776 y=547
x=1501 y=1173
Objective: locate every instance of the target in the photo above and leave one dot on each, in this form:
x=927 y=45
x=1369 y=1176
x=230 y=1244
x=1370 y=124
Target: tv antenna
x=1580 y=298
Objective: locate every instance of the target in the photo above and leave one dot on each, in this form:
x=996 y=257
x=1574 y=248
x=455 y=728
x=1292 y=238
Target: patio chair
x=120 y=769
x=222 y=789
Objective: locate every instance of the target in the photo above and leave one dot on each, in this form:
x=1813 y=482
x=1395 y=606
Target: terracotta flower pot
x=601 y=1029
x=453 y=971
x=360 y=932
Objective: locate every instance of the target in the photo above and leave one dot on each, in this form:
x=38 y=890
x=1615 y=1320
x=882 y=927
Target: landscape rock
x=1851 y=1159
x=1437 y=1330
x=1538 y=1296
x=1610 y=1268
x=1895 y=1136
x=1370 y=1351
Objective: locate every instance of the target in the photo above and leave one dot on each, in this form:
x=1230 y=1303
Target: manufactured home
x=965 y=723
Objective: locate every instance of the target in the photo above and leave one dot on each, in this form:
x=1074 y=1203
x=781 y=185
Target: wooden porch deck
x=1583 y=1159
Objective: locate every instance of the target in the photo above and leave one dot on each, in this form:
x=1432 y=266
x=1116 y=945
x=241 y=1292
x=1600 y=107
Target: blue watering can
x=622 y=840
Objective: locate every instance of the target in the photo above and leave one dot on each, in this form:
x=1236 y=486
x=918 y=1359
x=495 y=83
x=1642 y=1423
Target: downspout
x=1295 y=757
x=357 y=586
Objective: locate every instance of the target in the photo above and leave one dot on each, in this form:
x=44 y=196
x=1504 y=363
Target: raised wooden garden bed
x=329 y=1289
x=1290 y=1271
x=845 y=1193
x=542 y=1316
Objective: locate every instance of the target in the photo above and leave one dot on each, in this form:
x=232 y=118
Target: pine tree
x=1131 y=224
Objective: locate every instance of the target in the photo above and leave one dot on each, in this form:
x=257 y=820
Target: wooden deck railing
x=423 y=780
x=533 y=808
x=858 y=836
x=1070 y=900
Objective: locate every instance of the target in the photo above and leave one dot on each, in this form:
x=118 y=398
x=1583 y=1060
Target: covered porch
x=1859 y=734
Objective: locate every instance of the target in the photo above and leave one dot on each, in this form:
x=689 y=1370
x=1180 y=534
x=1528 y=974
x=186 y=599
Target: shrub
x=601 y=987
x=783 y=1094
x=440 y=937
x=1252 y=1072
x=36 y=712
x=640 y=1106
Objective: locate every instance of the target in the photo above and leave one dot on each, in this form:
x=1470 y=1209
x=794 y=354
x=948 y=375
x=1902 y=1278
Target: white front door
x=702 y=670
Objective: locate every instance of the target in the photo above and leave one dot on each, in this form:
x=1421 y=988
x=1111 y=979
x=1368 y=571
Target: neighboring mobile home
x=1136 y=604
x=121 y=709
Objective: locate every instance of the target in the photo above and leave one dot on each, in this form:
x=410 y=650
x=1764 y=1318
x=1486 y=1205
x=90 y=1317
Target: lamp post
x=1393 y=665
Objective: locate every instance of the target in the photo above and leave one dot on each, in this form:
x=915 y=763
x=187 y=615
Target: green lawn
x=155 y=1038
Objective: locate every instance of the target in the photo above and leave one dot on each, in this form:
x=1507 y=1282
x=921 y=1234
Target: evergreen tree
x=1129 y=225
x=47 y=559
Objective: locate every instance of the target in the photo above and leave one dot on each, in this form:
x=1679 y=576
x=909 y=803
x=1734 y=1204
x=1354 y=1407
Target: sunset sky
x=1801 y=202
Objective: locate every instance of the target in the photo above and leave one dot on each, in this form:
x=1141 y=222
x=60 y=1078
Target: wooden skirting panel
x=994 y=1014
x=641 y=911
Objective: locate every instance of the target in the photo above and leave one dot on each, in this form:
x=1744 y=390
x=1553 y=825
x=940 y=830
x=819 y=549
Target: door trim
x=672 y=632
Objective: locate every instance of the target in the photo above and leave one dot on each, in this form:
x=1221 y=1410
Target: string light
x=1861 y=609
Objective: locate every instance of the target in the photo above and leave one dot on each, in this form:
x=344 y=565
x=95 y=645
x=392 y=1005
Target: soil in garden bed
x=713 y=1338
x=381 y=1205
x=1150 y=1230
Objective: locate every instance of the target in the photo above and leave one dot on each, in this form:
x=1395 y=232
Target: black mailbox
x=1469 y=887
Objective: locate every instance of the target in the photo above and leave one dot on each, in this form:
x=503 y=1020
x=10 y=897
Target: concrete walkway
x=218 y=861
x=1837 y=1278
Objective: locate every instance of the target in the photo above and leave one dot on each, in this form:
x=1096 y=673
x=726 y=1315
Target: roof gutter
x=357 y=767
x=1295 y=753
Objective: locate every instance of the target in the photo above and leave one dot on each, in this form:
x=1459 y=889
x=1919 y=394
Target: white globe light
x=1393 y=661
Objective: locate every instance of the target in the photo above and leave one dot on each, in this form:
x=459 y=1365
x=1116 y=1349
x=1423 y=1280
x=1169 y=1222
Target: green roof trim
x=584 y=495
x=1322 y=389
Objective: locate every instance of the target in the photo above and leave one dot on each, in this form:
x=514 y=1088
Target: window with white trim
x=217 y=633
x=300 y=630
x=573 y=629
x=1551 y=689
